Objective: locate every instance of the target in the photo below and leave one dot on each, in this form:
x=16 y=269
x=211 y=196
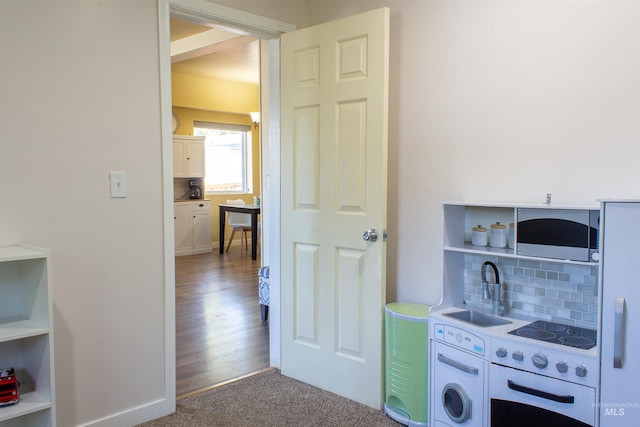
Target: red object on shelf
x=9 y=384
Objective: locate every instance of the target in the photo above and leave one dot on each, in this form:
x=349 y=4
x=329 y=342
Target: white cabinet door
x=179 y=158
x=201 y=227
x=195 y=158
x=183 y=232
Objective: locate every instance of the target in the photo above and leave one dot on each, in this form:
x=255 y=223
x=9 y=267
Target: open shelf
x=509 y=253
x=14 y=328
x=29 y=403
x=26 y=336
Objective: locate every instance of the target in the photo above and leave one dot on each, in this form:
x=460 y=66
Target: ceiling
x=214 y=53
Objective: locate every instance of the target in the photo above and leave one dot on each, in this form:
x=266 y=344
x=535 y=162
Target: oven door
x=523 y=399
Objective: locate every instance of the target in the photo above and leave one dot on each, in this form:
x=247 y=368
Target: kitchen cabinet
x=620 y=349
x=188 y=156
x=192 y=227
x=26 y=334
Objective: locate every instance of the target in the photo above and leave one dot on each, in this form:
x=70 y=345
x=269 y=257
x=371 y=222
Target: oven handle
x=458 y=365
x=544 y=394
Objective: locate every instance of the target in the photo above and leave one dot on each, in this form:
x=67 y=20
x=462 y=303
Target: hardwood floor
x=219 y=334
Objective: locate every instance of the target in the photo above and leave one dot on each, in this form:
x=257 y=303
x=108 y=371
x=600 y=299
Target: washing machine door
x=458 y=387
x=456 y=403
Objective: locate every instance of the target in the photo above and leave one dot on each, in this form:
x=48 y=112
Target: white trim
x=134 y=416
x=270 y=128
x=202 y=10
x=164 y=54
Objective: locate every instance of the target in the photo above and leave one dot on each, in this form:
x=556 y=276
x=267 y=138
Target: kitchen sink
x=477 y=318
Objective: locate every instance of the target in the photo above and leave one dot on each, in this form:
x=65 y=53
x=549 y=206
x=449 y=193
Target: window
x=227 y=153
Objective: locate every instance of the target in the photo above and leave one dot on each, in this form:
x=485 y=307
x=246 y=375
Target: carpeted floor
x=271 y=399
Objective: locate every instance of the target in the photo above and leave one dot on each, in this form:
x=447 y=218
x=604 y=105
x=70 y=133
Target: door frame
x=268 y=30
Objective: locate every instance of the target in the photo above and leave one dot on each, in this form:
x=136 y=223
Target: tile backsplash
x=538 y=289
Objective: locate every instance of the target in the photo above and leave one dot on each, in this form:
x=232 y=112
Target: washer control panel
x=576 y=366
x=459 y=338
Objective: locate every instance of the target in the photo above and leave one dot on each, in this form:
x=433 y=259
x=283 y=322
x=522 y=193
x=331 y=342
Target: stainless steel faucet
x=497 y=305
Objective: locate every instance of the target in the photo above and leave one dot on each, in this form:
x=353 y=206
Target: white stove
x=527 y=380
x=552 y=360
x=539 y=377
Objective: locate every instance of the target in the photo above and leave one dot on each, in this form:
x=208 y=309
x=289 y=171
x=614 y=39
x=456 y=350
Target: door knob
x=371 y=235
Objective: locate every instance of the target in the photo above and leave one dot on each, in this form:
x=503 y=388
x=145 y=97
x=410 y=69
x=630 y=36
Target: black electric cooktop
x=558 y=333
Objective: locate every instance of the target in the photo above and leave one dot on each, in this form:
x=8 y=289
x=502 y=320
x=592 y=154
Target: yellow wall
x=213 y=95
x=196 y=98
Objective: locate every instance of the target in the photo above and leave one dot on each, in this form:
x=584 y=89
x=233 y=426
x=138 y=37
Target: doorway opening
x=269 y=31
x=219 y=334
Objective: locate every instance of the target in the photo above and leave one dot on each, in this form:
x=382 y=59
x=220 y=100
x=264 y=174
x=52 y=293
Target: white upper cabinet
x=188 y=156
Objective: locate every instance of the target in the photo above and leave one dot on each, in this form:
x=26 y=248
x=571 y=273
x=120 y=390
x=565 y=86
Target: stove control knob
x=501 y=352
x=562 y=367
x=518 y=355
x=540 y=360
x=581 y=371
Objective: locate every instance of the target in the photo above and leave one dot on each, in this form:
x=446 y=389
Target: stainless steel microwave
x=570 y=234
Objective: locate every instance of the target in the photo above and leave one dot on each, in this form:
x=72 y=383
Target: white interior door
x=334 y=187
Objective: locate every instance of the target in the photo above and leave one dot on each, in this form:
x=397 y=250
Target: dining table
x=254 y=211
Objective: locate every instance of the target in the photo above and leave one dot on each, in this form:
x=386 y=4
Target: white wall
x=79 y=97
x=501 y=101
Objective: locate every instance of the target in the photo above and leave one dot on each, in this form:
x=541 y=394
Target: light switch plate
x=118 y=184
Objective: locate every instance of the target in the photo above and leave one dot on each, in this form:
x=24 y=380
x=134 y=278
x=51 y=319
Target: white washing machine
x=459 y=378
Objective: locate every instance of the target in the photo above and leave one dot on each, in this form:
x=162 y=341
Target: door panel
x=334 y=180
x=306 y=151
x=306 y=294
x=352 y=145
x=350 y=289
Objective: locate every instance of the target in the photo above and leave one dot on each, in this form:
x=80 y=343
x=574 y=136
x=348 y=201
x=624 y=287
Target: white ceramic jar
x=479 y=236
x=498 y=236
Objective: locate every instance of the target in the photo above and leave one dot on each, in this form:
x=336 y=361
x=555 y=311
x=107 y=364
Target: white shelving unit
x=26 y=334
x=460 y=218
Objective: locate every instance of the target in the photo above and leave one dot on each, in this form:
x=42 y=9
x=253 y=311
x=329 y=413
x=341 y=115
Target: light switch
x=118 y=184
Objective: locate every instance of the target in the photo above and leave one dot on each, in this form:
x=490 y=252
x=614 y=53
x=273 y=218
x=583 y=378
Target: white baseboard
x=134 y=416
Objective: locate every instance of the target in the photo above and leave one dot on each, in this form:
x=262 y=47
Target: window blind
x=221 y=126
